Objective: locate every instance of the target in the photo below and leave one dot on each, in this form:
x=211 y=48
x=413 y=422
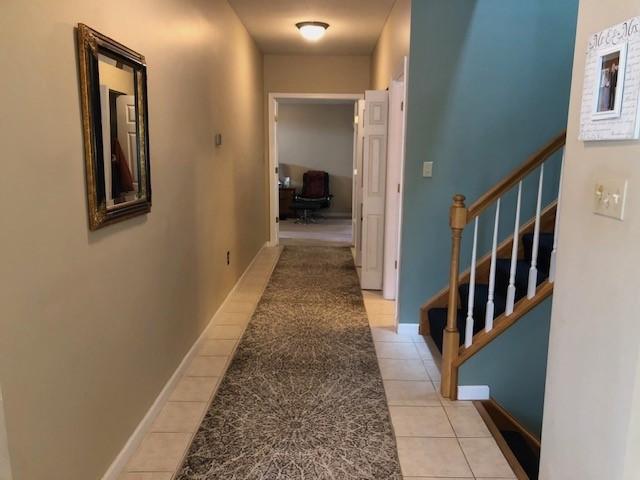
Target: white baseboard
x=409 y=328
x=121 y=461
x=473 y=392
x=5 y=462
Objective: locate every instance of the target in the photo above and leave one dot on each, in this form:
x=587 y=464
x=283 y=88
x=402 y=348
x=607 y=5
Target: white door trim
x=405 y=75
x=357 y=191
x=274 y=98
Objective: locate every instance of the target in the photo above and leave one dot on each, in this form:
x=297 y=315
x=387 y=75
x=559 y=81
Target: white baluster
x=552 y=265
x=468 y=334
x=488 y=319
x=511 y=289
x=533 y=270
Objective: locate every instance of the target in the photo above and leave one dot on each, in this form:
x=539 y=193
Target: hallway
x=300 y=393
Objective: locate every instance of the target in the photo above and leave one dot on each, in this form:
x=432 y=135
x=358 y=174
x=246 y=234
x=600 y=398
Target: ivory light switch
x=427 y=169
x=609 y=198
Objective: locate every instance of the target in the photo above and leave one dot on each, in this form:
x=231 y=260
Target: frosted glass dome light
x=312 y=31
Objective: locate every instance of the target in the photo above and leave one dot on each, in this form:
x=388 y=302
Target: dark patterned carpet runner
x=303 y=397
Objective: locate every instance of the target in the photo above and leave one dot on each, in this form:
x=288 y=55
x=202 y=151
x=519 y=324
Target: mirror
x=113 y=84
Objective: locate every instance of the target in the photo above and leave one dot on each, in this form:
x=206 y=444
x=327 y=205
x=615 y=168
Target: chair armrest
x=319 y=199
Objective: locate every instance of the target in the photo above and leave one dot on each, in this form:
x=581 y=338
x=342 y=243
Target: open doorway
x=312 y=149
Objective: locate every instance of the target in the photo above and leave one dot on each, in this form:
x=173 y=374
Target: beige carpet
x=328 y=232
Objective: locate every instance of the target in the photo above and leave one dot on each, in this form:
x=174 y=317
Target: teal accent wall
x=488 y=85
x=514 y=369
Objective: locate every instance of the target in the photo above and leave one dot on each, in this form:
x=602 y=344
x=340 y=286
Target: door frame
x=274 y=98
x=407 y=79
x=395 y=163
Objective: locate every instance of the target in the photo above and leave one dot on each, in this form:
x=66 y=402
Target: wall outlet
x=228 y=257
x=427 y=169
x=609 y=198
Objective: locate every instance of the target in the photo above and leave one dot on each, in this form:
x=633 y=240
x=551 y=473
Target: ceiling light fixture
x=312 y=31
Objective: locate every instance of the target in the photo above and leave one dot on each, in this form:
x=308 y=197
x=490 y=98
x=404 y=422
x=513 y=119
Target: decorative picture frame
x=610 y=82
x=611 y=90
x=105 y=162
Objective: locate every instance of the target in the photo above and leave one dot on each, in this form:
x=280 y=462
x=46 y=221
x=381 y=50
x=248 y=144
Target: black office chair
x=314 y=196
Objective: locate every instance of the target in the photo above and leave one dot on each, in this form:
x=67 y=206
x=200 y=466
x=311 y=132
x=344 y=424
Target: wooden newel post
x=451 y=340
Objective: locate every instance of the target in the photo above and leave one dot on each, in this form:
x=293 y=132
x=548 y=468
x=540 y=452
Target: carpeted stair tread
x=526 y=457
x=503 y=268
x=545 y=247
x=438 y=322
x=481 y=297
x=438 y=316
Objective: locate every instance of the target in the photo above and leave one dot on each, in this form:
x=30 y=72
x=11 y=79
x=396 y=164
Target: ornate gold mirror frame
x=90 y=45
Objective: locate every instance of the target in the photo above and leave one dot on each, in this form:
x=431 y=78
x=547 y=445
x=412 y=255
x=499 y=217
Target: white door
x=395 y=160
x=126 y=114
x=357 y=183
x=373 y=193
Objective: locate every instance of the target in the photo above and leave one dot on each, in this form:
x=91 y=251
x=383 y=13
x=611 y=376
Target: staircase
x=504 y=284
x=498 y=289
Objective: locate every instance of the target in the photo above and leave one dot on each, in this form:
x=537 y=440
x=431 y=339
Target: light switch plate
x=609 y=197
x=427 y=169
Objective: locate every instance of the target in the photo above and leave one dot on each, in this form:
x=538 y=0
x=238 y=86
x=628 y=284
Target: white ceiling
x=354 y=25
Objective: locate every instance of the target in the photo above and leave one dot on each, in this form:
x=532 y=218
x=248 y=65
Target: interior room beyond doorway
x=315 y=155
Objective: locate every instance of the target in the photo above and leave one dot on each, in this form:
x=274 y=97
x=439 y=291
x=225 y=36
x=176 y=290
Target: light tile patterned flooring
x=436 y=438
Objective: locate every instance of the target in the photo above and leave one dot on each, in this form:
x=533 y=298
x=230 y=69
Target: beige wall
x=93 y=324
x=392 y=46
x=316 y=74
x=318 y=136
x=588 y=429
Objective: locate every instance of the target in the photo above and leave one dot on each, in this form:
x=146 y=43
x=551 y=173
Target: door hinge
x=396 y=264
x=276 y=170
x=275 y=118
x=398 y=188
x=402 y=106
x=277 y=219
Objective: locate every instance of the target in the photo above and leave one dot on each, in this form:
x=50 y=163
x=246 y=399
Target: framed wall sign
x=612 y=84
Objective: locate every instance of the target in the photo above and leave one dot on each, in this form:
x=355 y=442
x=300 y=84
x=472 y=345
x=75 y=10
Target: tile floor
x=161 y=451
x=436 y=438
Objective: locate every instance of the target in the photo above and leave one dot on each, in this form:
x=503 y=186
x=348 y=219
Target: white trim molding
x=473 y=392
x=5 y=461
x=273 y=100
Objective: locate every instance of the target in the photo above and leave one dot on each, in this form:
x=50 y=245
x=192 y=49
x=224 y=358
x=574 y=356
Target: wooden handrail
x=459 y=216
x=514 y=177
x=451 y=336
x=440 y=299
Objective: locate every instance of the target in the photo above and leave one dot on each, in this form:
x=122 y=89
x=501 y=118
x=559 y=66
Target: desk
x=286 y=199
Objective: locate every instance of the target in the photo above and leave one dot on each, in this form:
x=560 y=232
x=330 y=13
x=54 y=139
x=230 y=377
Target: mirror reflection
x=119 y=131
